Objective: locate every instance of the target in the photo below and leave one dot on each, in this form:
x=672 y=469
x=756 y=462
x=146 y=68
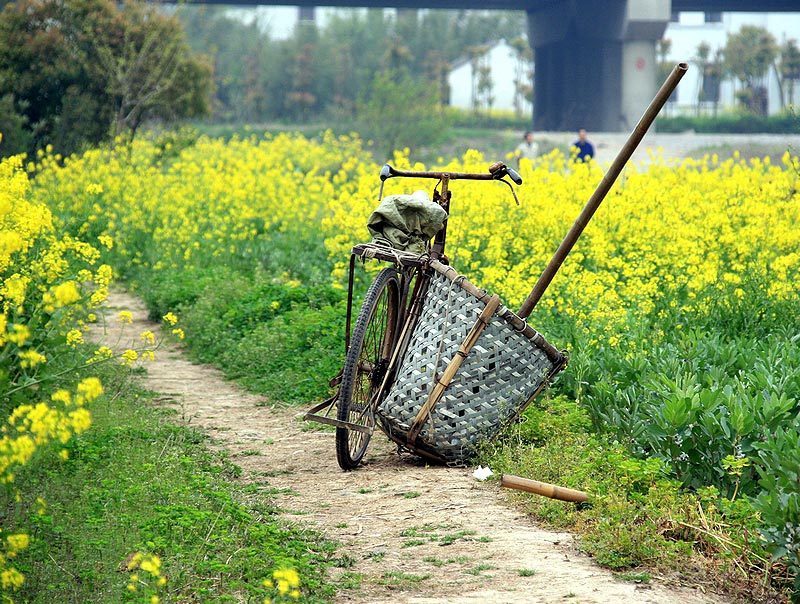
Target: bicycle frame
x=441 y=195
x=411 y=274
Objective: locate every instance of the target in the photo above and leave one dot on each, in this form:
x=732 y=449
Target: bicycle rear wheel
x=365 y=365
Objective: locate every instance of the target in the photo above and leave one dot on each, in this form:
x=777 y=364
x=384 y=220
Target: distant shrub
x=783 y=123
x=465 y=118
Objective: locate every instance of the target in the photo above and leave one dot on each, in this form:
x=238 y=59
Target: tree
x=242 y=89
x=788 y=69
x=78 y=70
x=477 y=61
x=151 y=72
x=14 y=136
x=303 y=98
x=485 y=85
x=710 y=75
x=523 y=73
x=400 y=112
x=49 y=66
x=748 y=55
x=331 y=73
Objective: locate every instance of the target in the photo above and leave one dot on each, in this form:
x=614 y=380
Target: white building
x=506 y=69
x=688 y=29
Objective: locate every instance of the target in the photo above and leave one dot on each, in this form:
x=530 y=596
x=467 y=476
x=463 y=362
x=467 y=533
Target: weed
x=350 y=581
x=634 y=577
x=453 y=537
x=344 y=561
x=402 y=581
x=478 y=569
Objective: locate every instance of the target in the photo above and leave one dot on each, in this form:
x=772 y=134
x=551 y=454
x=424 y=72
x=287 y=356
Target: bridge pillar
x=595 y=62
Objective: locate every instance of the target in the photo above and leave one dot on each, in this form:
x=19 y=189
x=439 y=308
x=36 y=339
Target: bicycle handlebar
x=496 y=172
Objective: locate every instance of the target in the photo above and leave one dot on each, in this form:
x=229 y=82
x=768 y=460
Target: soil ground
x=412 y=533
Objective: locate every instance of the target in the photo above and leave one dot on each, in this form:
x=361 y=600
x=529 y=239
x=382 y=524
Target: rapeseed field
x=679 y=305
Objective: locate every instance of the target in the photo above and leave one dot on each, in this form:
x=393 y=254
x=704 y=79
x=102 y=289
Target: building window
x=675 y=16
x=713 y=17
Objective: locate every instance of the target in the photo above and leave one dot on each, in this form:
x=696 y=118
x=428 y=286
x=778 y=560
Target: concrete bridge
x=595 y=59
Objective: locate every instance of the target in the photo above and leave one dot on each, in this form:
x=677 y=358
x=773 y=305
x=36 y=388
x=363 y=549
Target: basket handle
x=438 y=391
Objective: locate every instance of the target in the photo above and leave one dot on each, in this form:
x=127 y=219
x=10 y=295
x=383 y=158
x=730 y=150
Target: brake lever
x=499 y=170
x=513 y=192
x=386 y=173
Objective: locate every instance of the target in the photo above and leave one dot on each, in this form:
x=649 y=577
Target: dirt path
x=414 y=534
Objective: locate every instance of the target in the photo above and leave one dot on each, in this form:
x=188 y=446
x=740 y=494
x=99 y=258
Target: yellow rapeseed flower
x=66 y=293
x=74 y=337
x=17 y=542
x=102 y=353
x=151 y=564
x=19 y=334
x=31 y=358
x=11 y=578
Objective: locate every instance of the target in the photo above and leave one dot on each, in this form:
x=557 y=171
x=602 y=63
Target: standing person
x=585 y=149
x=528 y=148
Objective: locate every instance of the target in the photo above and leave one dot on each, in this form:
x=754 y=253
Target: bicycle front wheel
x=366 y=364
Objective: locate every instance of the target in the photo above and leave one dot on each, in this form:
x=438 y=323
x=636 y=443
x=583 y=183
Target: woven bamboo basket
x=470 y=368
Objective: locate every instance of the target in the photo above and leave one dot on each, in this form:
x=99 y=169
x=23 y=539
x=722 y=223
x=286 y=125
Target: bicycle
x=391 y=362
x=385 y=330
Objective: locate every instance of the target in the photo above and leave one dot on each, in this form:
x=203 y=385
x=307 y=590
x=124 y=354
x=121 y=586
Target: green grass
x=136 y=482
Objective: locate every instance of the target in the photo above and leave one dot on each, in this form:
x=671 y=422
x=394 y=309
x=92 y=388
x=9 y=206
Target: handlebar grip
x=514 y=175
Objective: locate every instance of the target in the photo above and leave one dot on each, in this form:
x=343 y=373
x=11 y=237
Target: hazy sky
x=278 y=20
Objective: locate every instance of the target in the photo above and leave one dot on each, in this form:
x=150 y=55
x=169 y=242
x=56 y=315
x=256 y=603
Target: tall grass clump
x=679 y=305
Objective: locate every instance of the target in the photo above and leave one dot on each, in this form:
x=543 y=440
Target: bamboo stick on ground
x=543 y=488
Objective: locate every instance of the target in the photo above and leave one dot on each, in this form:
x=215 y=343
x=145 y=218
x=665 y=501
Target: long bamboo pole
x=602 y=189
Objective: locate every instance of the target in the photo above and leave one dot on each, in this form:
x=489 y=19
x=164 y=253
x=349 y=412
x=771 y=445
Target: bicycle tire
x=366 y=363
